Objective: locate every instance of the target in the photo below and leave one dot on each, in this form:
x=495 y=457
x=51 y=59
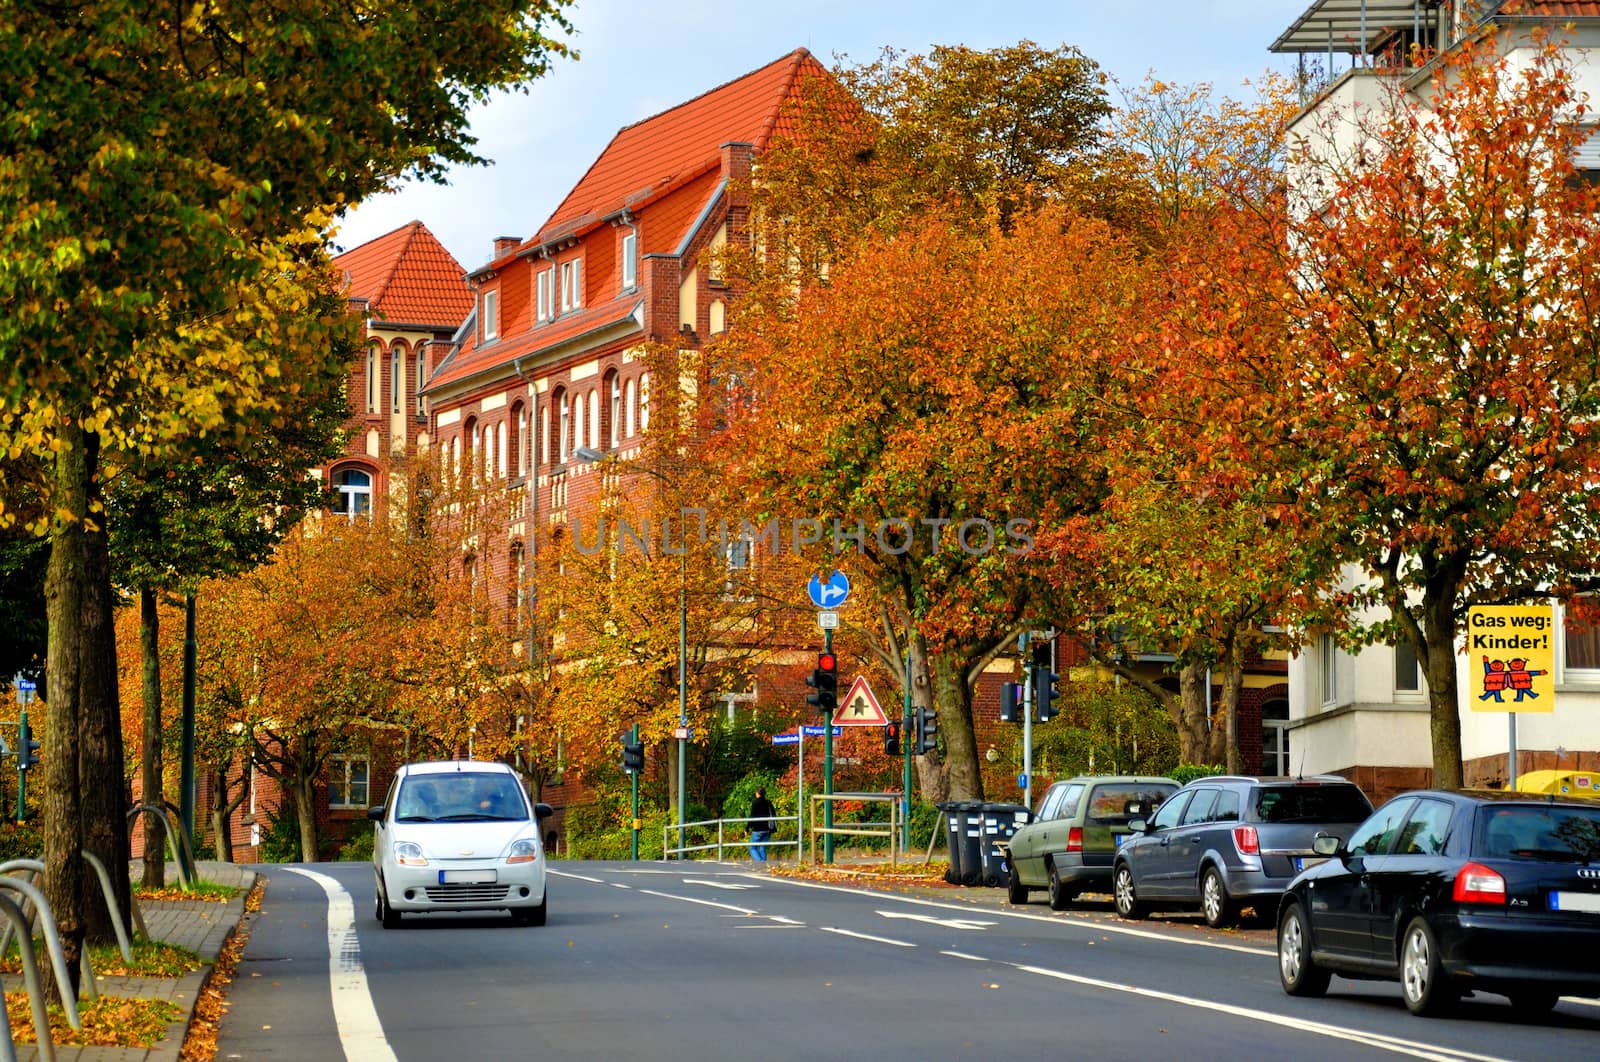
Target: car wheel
x=535 y=916
x=386 y=914
x=1061 y=894
x=1298 y=972
x=1128 y=905
x=1016 y=891
x=1423 y=982
x=1215 y=903
x=1533 y=1002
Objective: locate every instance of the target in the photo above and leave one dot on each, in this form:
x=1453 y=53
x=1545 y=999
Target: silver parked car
x=1068 y=847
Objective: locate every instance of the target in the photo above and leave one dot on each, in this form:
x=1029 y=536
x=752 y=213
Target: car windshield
x=1311 y=803
x=461 y=797
x=1540 y=831
x=1117 y=805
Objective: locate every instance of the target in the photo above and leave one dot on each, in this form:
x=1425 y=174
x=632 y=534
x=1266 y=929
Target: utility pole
x=905 y=749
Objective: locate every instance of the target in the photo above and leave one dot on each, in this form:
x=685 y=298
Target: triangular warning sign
x=860 y=707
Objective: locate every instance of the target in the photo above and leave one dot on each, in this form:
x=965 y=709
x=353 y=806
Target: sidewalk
x=199 y=925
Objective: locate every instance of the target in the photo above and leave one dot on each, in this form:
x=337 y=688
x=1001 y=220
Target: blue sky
x=639 y=58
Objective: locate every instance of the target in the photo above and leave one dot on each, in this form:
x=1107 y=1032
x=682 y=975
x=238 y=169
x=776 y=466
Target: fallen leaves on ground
x=200 y=1043
x=151 y=958
x=920 y=874
x=200 y=890
x=110 y=1021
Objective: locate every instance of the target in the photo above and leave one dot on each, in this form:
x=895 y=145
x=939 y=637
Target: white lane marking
x=1071 y=923
x=578 y=877
x=719 y=884
x=948 y=923
x=867 y=936
x=619 y=885
x=964 y=955
x=757 y=925
x=784 y=921
x=703 y=903
x=1368 y=1039
x=354 y=1013
x=1581 y=1002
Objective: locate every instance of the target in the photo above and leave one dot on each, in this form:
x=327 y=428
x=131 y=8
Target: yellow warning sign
x=860 y=707
x=1511 y=655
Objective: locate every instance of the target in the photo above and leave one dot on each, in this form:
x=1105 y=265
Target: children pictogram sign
x=859 y=707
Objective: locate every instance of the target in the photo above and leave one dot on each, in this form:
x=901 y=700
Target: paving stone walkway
x=202 y=926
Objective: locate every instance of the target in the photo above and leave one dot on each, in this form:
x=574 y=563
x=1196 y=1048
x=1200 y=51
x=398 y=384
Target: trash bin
x=1000 y=824
x=963 y=830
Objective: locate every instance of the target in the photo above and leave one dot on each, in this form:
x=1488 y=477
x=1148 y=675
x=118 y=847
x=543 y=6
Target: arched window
x=644 y=402
x=544 y=432
x=517 y=599
x=628 y=409
x=372 y=378
x=717 y=317
x=397 y=378
x=455 y=456
x=564 y=429
x=594 y=419
x=422 y=375
x=469 y=446
x=577 y=424
x=353 y=490
x=519 y=431
x=500 y=464
x=613 y=432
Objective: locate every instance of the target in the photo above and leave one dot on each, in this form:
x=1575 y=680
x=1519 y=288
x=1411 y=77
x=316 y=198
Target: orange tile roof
x=1552 y=9
x=682 y=141
x=408 y=277
x=471 y=360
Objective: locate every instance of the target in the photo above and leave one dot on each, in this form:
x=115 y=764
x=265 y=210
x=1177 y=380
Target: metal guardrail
x=681 y=849
x=889 y=830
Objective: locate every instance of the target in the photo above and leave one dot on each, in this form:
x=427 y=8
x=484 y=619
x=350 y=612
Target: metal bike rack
x=30 y=977
x=177 y=843
x=52 y=940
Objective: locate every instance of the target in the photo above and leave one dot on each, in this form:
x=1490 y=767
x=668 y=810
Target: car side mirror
x=376 y=813
x=1326 y=844
x=1138 y=826
x=543 y=811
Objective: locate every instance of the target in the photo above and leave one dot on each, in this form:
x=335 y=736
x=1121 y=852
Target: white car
x=459 y=835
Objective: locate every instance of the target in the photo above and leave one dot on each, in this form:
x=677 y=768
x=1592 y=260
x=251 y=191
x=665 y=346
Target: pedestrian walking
x=761 y=825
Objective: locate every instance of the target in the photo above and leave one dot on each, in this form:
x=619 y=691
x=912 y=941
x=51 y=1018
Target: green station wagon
x=1069 y=846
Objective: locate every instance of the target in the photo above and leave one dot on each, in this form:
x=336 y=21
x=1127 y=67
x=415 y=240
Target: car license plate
x=1575 y=901
x=466 y=877
x=1302 y=862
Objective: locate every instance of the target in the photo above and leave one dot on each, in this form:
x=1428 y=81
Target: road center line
x=703 y=903
x=1413 y=1048
x=360 y=1031
x=579 y=877
x=964 y=955
x=867 y=936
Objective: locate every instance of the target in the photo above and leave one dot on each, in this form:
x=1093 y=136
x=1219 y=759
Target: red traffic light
x=827 y=662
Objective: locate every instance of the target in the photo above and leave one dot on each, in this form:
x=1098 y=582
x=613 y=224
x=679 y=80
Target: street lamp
x=591 y=456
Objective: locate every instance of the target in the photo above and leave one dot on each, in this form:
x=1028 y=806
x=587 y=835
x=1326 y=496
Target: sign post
x=827 y=596
x=25 y=691
x=1511 y=661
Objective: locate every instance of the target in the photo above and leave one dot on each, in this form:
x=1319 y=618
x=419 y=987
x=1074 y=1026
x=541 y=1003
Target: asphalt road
x=711 y=961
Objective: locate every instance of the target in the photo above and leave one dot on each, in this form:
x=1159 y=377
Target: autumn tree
x=152 y=162
x=1445 y=376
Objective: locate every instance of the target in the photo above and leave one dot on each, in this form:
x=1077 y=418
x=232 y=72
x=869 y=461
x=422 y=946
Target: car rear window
x=1539 y=831
x=1296 y=802
x=1117 y=805
x=460 y=797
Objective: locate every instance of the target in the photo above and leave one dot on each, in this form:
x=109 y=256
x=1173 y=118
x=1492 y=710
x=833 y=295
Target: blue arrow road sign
x=829 y=594
x=818 y=731
x=786 y=739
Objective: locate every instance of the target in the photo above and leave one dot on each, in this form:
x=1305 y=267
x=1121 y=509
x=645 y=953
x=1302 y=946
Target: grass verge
x=198 y=890
x=110 y=1021
x=151 y=958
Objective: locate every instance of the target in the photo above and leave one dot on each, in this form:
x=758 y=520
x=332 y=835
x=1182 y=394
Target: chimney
x=504 y=245
x=736 y=159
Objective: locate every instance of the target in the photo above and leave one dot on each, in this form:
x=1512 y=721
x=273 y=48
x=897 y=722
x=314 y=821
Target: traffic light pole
x=1027 y=726
x=905 y=750
x=22 y=776
x=827 y=765
x=633 y=739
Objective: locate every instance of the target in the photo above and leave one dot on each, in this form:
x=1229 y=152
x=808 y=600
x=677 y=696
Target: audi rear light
x=1476 y=883
x=1075 y=839
x=1246 y=840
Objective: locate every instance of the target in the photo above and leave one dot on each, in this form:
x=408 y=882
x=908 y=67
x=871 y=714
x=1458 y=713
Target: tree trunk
x=953 y=703
x=104 y=808
x=933 y=774
x=155 y=859
x=305 y=812
x=1232 y=685
x=1192 y=725
x=1444 y=724
x=67 y=642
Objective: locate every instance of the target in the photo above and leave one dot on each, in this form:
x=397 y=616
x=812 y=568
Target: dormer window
x=630 y=263
x=491 y=324
x=571 y=285
x=546 y=284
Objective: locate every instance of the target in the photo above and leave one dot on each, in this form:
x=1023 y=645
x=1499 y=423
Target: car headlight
x=523 y=851
x=409 y=854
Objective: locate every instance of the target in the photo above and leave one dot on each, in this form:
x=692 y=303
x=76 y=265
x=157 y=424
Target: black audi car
x=1451 y=892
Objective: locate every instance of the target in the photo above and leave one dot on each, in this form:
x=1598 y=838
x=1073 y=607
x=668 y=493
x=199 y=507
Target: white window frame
x=1400 y=692
x=545 y=283
x=397 y=375
x=349 y=493
x=630 y=261
x=616 y=412
x=644 y=403
x=339 y=764
x=1328 y=659
x=572 y=285
x=491 y=322
x=1576 y=676
x=422 y=376
x=372 y=378
x=564 y=444
x=628 y=409
x=500 y=449
x=594 y=419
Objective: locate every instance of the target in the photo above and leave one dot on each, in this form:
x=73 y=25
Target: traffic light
x=825 y=680
x=1011 y=702
x=891 y=739
x=1045 y=690
x=27 y=749
x=927 y=731
x=632 y=757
